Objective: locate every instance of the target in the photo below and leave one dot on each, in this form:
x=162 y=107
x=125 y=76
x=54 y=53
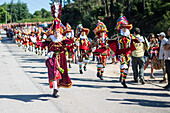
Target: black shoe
x=124 y=84
x=167 y=86
x=55 y=93
x=85 y=68
x=69 y=65
x=163 y=81
x=81 y=72
x=101 y=77
x=142 y=81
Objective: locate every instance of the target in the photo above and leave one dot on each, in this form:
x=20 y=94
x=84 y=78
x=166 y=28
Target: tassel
x=61 y=70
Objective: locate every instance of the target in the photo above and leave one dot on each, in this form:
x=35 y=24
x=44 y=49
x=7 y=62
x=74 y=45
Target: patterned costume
x=122 y=46
x=83 y=46
x=102 y=51
x=56 y=62
x=70 y=47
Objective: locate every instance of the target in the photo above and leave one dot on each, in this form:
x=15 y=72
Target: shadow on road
x=26 y=98
x=144 y=94
x=112 y=87
x=91 y=80
x=36 y=72
x=41 y=77
x=33 y=60
x=31 y=67
x=141 y=102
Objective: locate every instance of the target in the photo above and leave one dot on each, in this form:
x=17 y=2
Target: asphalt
x=24 y=88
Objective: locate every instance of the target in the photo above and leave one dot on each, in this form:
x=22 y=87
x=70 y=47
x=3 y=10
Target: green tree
x=37 y=14
x=2 y=15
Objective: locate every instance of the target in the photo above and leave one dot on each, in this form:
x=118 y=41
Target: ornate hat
x=56 y=8
x=67 y=29
x=101 y=27
x=56 y=24
x=122 y=22
x=80 y=29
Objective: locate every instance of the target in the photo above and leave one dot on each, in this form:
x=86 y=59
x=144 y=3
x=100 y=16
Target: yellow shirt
x=140 y=48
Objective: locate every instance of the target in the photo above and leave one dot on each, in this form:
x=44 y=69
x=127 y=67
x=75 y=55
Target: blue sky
x=33 y=5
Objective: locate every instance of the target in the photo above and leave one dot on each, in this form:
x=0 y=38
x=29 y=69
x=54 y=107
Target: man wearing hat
x=122 y=45
x=69 y=35
x=163 y=39
x=83 y=46
x=100 y=42
x=56 y=59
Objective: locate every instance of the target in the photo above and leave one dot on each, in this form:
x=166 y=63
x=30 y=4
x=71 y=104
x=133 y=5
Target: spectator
x=161 y=37
x=138 y=57
x=153 y=44
x=167 y=59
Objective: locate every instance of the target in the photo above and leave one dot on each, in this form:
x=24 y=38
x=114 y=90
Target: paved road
x=24 y=88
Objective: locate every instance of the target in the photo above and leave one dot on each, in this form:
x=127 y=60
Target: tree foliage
x=148 y=15
x=18 y=12
x=3 y=15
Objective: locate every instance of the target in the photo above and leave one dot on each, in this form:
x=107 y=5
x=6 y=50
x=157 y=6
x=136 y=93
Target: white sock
x=55 y=85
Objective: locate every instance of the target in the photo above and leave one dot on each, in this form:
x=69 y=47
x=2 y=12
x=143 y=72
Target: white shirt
x=161 y=50
x=167 y=52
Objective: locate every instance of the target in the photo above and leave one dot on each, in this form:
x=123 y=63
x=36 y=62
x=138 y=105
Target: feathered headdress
x=100 y=27
x=56 y=8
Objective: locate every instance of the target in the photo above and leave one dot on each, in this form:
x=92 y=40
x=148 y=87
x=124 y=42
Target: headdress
x=122 y=22
x=101 y=27
x=80 y=29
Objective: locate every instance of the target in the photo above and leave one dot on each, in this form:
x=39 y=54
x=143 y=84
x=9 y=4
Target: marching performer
x=122 y=45
x=83 y=46
x=56 y=62
x=68 y=33
x=102 y=50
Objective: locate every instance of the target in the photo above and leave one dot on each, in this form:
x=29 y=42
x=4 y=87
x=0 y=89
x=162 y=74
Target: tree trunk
x=104 y=3
x=80 y=11
x=128 y=7
x=122 y=6
x=86 y=7
x=107 y=9
x=111 y=8
x=143 y=6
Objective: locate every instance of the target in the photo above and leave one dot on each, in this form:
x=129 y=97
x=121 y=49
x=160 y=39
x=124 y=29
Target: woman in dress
x=56 y=62
x=153 y=52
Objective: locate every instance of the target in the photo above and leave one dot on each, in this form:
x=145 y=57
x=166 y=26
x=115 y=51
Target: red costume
x=102 y=51
x=122 y=45
x=57 y=65
x=83 y=46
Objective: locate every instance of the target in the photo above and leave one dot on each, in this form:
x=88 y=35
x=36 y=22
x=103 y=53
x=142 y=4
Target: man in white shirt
x=161 y=37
